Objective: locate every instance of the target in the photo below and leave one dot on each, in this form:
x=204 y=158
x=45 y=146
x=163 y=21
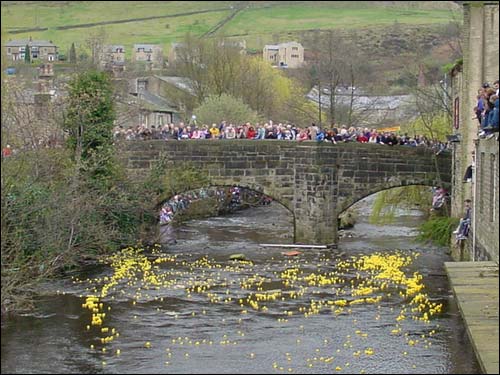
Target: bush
x=225 y=107
x=438 y=230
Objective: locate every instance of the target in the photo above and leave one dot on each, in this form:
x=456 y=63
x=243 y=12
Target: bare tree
x=336 y=68
x=31 y=120
x=96 y=42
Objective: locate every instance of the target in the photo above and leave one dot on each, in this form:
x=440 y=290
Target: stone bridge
x=316 y=182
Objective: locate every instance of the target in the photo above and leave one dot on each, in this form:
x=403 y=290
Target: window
x=295 y=56
x=295 y=48
x=22 y=49
x=160 y=120
x=34 y=55
x=51 y=58
x=8 y=50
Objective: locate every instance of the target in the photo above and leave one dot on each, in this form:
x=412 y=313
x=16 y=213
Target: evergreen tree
x=89 y=122
x=27 y=54
x=72 y=54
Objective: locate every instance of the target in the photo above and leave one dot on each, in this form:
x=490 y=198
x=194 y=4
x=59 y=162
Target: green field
x=260 y=22
x=307 y=17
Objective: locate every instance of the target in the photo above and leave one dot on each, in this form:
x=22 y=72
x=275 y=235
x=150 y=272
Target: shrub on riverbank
x=61 y=207
x=52 y=222
x=438 y=230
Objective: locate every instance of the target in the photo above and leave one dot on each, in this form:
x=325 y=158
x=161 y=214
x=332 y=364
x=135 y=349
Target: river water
x=202 y=316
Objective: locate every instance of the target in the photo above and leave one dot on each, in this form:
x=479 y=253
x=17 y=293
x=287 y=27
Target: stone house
x=39 y=50
x=142 y=106
x=151 y=53
x=116 y=53
x=178 y=90
x=113 y=59
x=285 y=55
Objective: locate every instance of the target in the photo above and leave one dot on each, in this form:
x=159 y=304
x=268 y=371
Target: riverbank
x=475 y=286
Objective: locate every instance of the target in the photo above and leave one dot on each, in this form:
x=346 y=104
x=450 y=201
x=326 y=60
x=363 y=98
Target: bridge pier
x=314 y=204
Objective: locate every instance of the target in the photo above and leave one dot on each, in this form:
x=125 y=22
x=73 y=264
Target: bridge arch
x=211 y=192
x=352 y=200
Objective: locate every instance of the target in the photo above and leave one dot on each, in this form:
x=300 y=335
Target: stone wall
x=486 y=195
x=316 y=182
x=480 y=64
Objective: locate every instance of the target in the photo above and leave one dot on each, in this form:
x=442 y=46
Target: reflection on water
x=188 y=334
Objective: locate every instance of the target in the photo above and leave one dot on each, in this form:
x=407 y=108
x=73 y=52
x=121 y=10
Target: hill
x=260 y=22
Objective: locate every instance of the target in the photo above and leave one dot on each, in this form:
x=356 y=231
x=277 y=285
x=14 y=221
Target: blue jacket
x=493 y=116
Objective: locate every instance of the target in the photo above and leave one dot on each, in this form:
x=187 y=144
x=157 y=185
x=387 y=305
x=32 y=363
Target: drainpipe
x=474 y=195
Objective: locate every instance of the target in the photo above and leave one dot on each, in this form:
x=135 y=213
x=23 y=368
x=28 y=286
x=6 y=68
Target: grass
x=261 y=21
x=307 y=17
x=61 y=13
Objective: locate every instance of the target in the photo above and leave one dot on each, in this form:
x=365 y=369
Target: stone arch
x=344 y=205
x=251 y=187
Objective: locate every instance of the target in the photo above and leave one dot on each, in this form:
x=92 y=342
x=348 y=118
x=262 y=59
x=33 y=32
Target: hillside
x=260 y=22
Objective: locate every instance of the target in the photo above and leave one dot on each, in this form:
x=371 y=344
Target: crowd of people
x=228 y=199
x=486 y=110
x=280 y=131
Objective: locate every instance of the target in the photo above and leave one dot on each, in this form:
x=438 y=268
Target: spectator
x=6 y=151
x=462 y=230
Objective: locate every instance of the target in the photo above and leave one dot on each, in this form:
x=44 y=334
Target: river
x=201 y=313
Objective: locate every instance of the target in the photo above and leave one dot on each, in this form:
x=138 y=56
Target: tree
x=216 y=67
x=89 y=122
x=434 y=113
x=72 y=54
x=96 y=42
x=225 y=107
x=27 y=54
x=337 y=67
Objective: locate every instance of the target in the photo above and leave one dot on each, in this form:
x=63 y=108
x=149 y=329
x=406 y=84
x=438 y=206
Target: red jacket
x=251 y=133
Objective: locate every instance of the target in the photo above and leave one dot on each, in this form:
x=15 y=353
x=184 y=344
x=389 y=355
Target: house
x=115 y=54
x=151 y=53
x=142 y=106
x=113 y=59
x=285 y=55
x=39 y=49
x=179 y=90
x=155 y=110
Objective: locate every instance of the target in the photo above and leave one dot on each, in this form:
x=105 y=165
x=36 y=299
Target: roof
x=155 y=103
x=23 y=42
x=278 y=46
x=182 y=83
x=146 y=47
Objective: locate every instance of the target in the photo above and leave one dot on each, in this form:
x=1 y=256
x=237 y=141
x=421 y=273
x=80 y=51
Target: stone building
x=480 y=65
x=149 y=53
x=285 y=55
x=39 y=50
